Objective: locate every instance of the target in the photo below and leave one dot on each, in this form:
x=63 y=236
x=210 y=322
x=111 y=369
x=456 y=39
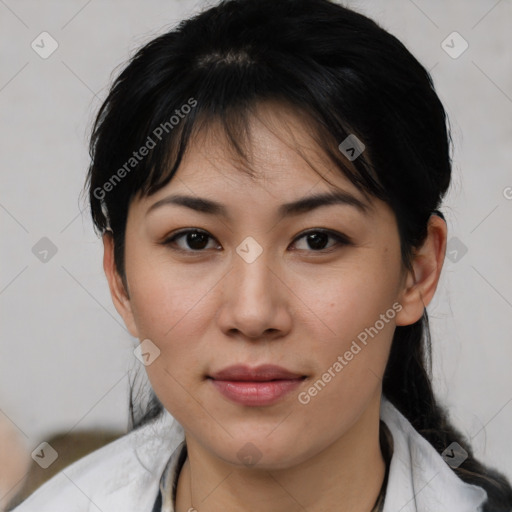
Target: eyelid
x=341 y=239
x=168 y=240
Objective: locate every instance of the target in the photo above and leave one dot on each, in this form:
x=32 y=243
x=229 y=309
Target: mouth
x=259 y=386
x=264 y=372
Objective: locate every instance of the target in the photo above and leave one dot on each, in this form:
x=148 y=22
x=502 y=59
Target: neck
x=346 y=476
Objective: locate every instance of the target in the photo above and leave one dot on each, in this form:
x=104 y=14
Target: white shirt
x=125 y=475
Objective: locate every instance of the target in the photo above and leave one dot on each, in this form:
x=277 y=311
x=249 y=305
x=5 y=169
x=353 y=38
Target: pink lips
x=262 y=385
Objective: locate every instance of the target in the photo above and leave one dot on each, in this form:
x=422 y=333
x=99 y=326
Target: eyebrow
x=301 y=206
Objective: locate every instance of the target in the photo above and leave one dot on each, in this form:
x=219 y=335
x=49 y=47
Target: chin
x=260 y=453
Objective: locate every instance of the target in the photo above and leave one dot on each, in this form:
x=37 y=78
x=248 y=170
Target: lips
x=259 y=386
x=261 y=373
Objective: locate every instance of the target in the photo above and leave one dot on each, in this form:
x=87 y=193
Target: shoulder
x=419 y=478
x=123 y=475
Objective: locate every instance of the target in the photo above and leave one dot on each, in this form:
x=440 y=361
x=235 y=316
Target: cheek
x=172 y=316
x=354 y=319
x=173 y=308
x=349 y=367
x=175 y=322
x=343 y=302
x=165 y=297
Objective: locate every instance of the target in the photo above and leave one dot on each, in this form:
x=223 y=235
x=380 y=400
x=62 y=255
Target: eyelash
x=341 y=239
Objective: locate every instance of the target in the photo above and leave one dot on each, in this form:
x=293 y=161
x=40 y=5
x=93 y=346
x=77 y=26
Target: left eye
x=317 y=239
x=197 y=240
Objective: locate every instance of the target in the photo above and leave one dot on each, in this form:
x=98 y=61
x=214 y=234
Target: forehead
x=281 y=171
x=278 y=150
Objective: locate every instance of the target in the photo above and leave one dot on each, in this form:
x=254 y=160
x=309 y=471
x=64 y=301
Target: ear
x=427 y=263
x=118 y=292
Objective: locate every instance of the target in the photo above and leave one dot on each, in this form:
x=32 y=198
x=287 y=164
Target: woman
x=266 y=179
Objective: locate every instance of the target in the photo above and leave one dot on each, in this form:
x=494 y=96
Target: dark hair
x=343 y=75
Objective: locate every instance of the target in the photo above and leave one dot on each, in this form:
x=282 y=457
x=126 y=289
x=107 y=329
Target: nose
x=255 y=301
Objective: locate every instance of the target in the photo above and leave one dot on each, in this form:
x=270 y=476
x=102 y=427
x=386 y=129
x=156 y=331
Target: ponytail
x=407 y=384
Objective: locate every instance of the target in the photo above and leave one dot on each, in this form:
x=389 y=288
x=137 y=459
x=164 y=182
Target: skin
x=15 y=462
x=295 y=306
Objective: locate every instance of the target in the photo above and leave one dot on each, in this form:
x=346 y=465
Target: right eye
x=193 y=240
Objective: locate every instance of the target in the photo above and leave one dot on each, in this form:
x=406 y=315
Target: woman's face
x=265 y=284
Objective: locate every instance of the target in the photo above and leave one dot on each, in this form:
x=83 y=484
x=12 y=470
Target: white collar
x=125 y=475
x=419 y=479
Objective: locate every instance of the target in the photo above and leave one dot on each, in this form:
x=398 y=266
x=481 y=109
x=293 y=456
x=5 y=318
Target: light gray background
x=64 y=351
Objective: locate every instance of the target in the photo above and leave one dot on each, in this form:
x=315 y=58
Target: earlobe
x=421 y=283
x=117 y=288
